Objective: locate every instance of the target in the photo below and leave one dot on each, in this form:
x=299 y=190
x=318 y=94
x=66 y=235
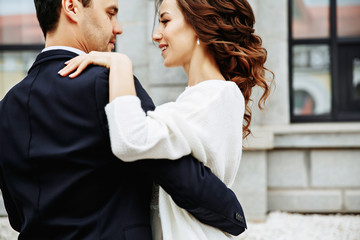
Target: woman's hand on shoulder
x=78 y=64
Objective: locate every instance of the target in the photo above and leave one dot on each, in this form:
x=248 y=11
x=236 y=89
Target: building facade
x=304 y=154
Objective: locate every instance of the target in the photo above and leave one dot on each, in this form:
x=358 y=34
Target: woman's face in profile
x=176 y=38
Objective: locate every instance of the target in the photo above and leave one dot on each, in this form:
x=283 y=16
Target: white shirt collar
x=71 y=49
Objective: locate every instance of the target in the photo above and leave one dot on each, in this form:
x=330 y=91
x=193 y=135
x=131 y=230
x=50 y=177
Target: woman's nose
x=157 y=36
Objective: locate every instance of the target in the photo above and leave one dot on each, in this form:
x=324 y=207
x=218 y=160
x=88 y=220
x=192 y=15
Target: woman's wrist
x=120 y=60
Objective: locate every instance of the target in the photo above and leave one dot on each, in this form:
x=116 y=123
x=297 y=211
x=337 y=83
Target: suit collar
x=52 y=55
x=71 y=49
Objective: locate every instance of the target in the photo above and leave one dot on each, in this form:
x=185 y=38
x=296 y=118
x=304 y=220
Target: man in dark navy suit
x=58 y=176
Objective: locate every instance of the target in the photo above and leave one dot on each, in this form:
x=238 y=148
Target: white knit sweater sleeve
x=134 y=135
x=199 y=122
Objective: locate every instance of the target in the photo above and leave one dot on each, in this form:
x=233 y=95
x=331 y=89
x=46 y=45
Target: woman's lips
x=163 y=48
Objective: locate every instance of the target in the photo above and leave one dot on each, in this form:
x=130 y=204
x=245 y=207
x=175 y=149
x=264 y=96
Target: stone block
x=250 y=185
x=335 y=168
x=352 y=201
x=133 y=42
x=152 y=23
x=287 y=169
x=259 y=139
x=142 y=74
x=276 y=43
x=133 y=11
x=265 y=24
x=133 y=19
x=277 y=106
x=318 y=140
x=305 y=201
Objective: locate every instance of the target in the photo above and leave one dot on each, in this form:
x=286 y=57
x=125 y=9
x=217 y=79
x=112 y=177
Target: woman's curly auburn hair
x=226 y=28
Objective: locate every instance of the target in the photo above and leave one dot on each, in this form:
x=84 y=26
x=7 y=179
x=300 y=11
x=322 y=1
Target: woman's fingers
x=81 y=67
x=70 y=67
x=65 y=70
x=78 y=64
x=73 y=65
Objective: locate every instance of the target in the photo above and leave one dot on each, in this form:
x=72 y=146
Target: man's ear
x=71 y=9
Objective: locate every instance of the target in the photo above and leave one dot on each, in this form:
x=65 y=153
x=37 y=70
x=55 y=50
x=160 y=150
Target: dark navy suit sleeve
x=191 y=185
x=195 y=188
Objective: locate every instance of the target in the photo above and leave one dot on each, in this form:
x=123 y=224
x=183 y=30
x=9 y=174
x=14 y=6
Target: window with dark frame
x=21 y=40
x=324 y=53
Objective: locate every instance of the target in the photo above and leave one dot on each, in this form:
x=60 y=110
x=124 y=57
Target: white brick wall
x=313 y=180
x=335 y=168
x=287 y=168
x=305 y=200
x=352 y=200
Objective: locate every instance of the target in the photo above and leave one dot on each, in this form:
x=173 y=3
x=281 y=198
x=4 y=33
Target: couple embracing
x=82 y=144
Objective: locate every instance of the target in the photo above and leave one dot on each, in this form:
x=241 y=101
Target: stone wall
x=314 y=180
x=308 y=168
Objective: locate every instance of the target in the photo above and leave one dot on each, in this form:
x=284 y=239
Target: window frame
x=333 y=42
x=21 y=47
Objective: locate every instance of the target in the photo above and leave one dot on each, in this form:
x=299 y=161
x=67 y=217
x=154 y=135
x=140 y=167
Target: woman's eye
x=164 y=21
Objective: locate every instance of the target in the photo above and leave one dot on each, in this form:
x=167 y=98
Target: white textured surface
x=284 y=226
x=278 y=226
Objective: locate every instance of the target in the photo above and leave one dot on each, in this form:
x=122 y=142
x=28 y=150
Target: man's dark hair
x=48 y=13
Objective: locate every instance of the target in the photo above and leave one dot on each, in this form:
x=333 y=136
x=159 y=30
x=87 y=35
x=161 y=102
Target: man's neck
x=49 y=43
x=58 y=38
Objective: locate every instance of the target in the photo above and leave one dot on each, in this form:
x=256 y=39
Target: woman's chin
x=169 y=64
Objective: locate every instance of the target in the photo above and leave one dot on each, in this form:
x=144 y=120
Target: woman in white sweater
x=214 y=42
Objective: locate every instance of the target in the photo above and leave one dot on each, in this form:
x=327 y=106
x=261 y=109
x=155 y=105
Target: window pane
x=348 y=18
x=356 y=78
x=311 y=80
x=13 y=68
x=18 y=23
x=311 y=19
